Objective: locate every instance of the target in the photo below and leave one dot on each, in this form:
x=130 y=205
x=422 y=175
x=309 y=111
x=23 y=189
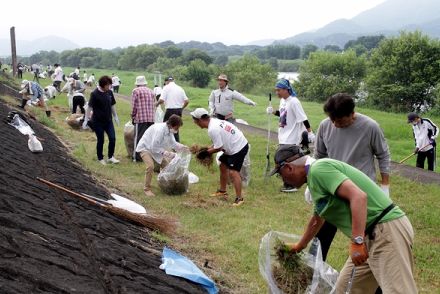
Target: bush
x=198 y=73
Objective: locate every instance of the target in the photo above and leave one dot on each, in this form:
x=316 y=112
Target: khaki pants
x=147 y=158
x=390 y=264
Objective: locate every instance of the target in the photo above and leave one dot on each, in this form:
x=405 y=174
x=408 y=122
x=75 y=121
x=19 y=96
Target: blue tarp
x=177 y=265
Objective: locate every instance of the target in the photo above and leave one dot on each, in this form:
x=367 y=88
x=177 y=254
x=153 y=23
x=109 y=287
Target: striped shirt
x=143 y=99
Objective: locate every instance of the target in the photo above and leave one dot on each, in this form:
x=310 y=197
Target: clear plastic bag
x=173 y=179
x=324 y=276
x=158 y=115
x=18 y=123
x=34 y=144
x=129 y=138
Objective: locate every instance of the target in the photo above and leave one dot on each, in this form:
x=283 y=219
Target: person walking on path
x=221 y=100
x=228 y=138
x=102 y=103
x=381 y=235
x=352 y=138
x=142 y=114
x=58 y=77
x=34 y=92
x=425 y=132
x=116 y=82
x=294 y=127
x=155 y=147
x=175 y=100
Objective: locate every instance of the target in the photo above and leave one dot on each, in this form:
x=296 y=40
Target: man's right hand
x=416 y=150
x=293 y=247
x=84 y=125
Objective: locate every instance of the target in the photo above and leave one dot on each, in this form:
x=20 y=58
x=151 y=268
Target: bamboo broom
x=164 y=225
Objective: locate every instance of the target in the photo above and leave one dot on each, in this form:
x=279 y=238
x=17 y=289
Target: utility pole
x=13 y=52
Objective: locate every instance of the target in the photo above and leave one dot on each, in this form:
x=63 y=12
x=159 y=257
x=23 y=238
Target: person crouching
x=33 y=91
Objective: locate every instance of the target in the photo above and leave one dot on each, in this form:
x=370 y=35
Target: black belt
x=370 y=229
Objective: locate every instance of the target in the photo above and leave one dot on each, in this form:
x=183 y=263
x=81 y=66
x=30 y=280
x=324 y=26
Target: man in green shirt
x=381 y=235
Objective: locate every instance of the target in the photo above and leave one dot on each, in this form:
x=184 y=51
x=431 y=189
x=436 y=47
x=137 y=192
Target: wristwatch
x=358 y=240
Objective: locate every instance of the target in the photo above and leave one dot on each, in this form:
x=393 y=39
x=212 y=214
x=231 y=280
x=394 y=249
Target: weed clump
x=202 y=156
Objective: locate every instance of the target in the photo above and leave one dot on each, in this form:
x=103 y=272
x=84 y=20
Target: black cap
x=284 y=154
x=169 y=78
x=412 y=116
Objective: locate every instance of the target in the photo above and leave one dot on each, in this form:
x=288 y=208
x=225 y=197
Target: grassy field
x=397 y=132
x=229 y=238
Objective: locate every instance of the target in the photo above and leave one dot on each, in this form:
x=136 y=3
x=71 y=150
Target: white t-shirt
x=76 y=71
x=115 y=81
x=291 y=125
x=227 y=136
x=157 y=91
x=173 y=96
x=58 y=74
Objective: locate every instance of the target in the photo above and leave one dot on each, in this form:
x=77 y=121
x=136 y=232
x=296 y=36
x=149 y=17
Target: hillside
x=387 y=18
x=26 y=48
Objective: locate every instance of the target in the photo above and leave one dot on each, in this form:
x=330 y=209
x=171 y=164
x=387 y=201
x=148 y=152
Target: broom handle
x=412 y=154
x=70 y=192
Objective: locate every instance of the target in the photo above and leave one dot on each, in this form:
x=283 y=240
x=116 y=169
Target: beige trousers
x=147 y=158
x=390 y=263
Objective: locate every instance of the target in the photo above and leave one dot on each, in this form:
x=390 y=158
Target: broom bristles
x=161 y=224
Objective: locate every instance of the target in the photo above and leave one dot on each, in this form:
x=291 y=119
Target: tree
x=332 y=48
x=307 y=49
x=369 y=42
x=249 y=74
x=403 y=72
x=221 y=60
x=198 y=73
x=326 y=73
x=173 y=52
x=194 y=54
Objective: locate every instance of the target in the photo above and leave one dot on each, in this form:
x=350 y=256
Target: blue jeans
x=100 y=128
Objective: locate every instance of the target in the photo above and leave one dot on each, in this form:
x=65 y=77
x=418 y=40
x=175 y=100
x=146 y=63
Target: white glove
x=116 y=120
x=84 y=125
x=211 y=111
x=169 y=155
x=386 y=189
x=252 y=103
x=269 y=110
x=311 y=136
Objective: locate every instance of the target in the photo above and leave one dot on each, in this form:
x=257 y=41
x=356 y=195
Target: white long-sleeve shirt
x=423 y=131
x=222 y=100
x=157 y=139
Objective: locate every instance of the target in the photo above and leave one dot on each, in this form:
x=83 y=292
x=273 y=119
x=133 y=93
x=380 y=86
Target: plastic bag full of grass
x=173 y=179
x=287 y=273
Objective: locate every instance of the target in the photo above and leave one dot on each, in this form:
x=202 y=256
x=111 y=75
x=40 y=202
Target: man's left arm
x=240 y=97
x=381 y=151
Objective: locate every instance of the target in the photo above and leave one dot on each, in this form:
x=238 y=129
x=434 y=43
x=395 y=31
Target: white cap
x=24 y=83
x=140 y=81
x=199 y=112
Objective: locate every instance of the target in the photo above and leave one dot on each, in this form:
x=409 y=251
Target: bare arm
x=358 y=206
x=313 y=227
x=185 y=104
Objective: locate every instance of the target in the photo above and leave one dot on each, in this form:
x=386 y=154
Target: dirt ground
x=53 y=243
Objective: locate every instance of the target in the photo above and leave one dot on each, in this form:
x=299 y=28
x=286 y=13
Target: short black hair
x=339 y=105
x=175 y=121
x=104 y=81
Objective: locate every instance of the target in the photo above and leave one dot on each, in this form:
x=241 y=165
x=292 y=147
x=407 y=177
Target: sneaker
x=288 y=189
x=149 y=193
x=219 y=193
x=102 y=161
x=238 y=201
x=113 y=160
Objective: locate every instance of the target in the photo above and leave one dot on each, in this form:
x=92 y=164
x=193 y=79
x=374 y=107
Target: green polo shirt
x=324 y=178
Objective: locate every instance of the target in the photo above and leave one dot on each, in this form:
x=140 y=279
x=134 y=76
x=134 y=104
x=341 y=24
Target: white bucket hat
x=141 y=81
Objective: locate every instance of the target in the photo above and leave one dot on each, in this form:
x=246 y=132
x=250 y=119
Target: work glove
x=252 y=103
x=293 y=247
x=84 y=125
x=311 y=137
x=116 y=120
x=358 y=253
x=211 y=111
x=416 y=150
x=386 y=189
x=269 y=110
x=169 y=155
